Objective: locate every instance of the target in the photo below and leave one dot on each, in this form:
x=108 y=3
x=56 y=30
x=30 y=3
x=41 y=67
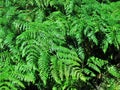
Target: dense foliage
x=59 y=45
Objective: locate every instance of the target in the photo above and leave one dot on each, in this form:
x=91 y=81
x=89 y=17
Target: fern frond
x=113 y=71
x=55 y=70
x=20 y=26
x=5 y=56
x=94 y=65
x=8 y=81
x=66 y=66
x=43 y=67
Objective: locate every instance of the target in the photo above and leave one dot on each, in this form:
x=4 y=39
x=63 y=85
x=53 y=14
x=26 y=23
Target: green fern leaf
x=112 y=70
x=54 y=70
x=94 y=67
x=43 y=67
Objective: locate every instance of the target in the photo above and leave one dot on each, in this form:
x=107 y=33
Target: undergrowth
x=59 y=45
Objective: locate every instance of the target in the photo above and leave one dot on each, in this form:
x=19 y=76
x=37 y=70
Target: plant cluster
x=59 y=44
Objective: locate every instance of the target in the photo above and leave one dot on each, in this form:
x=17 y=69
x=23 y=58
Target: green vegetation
x=59 y=45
